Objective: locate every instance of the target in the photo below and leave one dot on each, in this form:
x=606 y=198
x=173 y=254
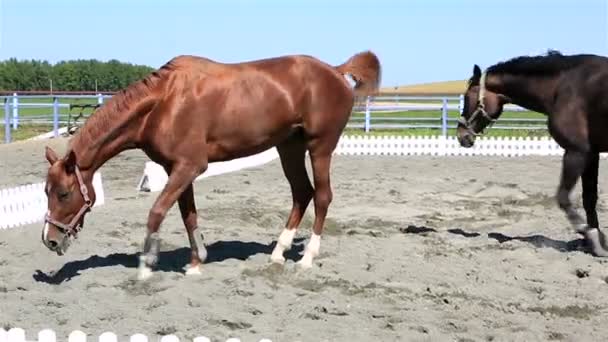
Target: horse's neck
x=531 y=93
x=92 y=158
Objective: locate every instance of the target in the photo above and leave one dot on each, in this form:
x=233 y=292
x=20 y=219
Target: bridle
x=72 y=228
x=481 y=109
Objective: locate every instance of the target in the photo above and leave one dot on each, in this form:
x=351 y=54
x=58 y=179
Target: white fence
x=154 y=177
x=28 y=203
x=447 y=146
x=47 y=335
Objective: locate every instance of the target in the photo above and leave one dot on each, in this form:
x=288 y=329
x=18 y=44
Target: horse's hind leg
x=187 y=208
x=320 y=160
x=292 y=153
x=574 y=163
x=589 y=179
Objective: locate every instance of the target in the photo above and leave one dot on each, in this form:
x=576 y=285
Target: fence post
x=444 y=118
x=99 y=99
x=55 y=117
x=367 y=115
x=15 y=111
x=7 y=121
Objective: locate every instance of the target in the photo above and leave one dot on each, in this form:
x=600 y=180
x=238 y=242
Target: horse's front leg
x=182 y=175
x=573 y=164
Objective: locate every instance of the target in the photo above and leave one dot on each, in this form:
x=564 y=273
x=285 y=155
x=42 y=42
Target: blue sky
x=416 y=40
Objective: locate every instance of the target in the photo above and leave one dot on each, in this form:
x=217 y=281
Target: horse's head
x=481 y=108
x=70 y=196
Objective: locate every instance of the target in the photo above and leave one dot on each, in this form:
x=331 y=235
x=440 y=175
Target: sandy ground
x=415 y=249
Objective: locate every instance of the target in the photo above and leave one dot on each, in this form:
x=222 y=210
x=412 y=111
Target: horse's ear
x=50 y=155
x=476 y=71
x=69 y=162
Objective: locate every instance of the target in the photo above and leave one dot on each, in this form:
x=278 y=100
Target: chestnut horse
x=571 y=91
x=193 y=111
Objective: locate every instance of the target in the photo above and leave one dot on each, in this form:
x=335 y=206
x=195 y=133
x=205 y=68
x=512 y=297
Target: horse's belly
x=246 y=143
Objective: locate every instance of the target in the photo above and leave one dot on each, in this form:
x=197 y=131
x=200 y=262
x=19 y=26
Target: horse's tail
x=366 y=71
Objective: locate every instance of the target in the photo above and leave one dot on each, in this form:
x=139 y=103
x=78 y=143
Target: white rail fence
x=447 y=146
x=48 y=335
x=154 y=177
x=27 y=204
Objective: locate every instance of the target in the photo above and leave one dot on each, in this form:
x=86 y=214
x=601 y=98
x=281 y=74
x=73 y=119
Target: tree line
x=70 y=75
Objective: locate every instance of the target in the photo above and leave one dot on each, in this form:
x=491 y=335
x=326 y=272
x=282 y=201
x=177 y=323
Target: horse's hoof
x=304 y=263
x=597 y=240
x=144 y=272
x=277 y=259
x=193 y=270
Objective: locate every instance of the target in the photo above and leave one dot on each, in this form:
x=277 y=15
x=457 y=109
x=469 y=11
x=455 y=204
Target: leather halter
x=73 y=227
x=481 y=109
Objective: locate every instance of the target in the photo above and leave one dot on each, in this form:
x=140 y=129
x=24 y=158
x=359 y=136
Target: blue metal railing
x=15 y=115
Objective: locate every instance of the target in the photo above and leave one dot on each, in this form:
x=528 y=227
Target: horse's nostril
x=53 y=244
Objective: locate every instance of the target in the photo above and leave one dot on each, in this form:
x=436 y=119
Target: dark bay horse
x=572 y=92
x=193 y=111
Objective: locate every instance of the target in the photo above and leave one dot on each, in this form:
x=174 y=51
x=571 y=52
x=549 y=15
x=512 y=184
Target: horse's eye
x=63 y=195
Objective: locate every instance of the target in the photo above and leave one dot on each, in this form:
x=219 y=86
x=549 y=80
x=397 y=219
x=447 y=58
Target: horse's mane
x=549 y=64
x=112 y=113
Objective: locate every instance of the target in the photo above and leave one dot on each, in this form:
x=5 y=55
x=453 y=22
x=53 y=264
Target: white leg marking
x=200 y=244
x=45 y=232
x=311 y=251
x=143 y=272
x=593 y=236
x=283 y=244
x=196 y=270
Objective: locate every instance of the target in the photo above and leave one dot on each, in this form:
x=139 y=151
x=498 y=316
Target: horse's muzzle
x=59 y=243
x=466 y=140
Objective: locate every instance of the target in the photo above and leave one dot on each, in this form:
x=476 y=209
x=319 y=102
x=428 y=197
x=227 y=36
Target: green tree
x=70 y=75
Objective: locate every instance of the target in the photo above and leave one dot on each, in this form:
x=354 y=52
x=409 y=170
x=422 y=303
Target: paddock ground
x=415 y=249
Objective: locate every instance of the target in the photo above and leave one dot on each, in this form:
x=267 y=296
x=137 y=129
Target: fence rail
x=394 y=112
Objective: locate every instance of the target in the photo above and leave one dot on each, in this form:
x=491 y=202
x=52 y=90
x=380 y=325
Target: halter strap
x=482 y=89
x=73 y=228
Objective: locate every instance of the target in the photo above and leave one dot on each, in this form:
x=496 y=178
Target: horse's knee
x=155 y=217
x=323 y=197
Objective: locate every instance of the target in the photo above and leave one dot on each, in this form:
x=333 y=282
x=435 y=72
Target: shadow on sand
x=538 y=241
x=169 y=261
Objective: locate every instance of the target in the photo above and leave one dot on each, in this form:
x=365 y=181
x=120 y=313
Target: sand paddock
x=415 y=249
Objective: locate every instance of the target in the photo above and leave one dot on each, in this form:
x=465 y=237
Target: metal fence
x=385 y=112
x=399 y=112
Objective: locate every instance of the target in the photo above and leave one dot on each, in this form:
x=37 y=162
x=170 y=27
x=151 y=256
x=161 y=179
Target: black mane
x=545 y=65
